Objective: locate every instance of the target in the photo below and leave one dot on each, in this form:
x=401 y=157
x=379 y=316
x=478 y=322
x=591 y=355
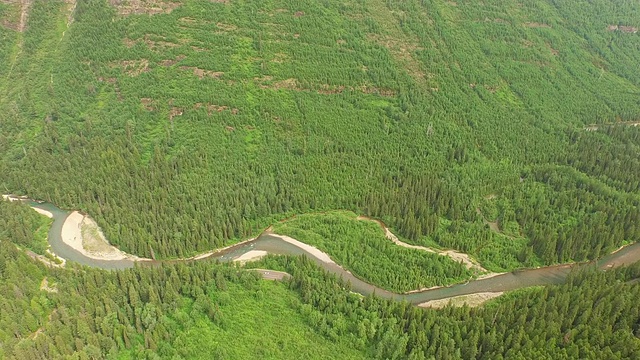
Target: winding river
x=274 y=245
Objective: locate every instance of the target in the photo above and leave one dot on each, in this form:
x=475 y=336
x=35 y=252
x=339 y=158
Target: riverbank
x=252 y=255
x=315 y=252
x=92 y=249
x=215 y=251
x=81 y=233
x=471 y=300
x=454 y=255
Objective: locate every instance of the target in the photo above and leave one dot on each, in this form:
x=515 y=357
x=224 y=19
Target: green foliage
x=188 y=130
x=24 y=306
x=198 y=311
x=209 y=310
x=593 y=316
x=184 y=131
x=23 y=226
x=362 y=248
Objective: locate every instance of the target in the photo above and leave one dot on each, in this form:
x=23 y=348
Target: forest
x=361 y=247
x=201 y=125
x=209 y=310
x=500 y=129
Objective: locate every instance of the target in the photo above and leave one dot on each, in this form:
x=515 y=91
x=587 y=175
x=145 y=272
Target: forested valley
x=501 y=129
x=214 y=311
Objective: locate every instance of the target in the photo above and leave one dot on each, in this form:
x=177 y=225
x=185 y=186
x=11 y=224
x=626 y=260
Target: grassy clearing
x=263 y=322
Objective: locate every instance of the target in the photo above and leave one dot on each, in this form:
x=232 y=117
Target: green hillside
x=181 y=125
x=506 y=130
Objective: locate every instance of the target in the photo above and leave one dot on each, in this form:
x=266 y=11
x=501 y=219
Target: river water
x=274 y=245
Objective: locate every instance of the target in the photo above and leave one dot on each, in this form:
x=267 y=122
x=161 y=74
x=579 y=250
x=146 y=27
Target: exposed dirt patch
x=594 y=127
x=175 y=111
x=155 y=45
x=17 y=14
x=211 y=108
x=494 y=226
x=289 y=84
x=226 y=27
x=197 y=48
x=72 y=10
x=329 y=90
x=44 y=286
x=149 y=7
x=201 y=73
x=148 y=104
x=24 y=14
x=527 y=43
x=53 y=261
x=491 y=89
x=341 y=42
x=190 y=22
x=220 y=1
x=279 y=58
x=402 y=50
x=266 y=82
x=171 y=62
x=623 y=28
x=129 y=43
x=536 y=25
x=132 y=67
x=298 y=13
x=378 y=91
x=272 y=274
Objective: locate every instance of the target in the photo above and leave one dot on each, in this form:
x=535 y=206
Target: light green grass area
x=263 y=322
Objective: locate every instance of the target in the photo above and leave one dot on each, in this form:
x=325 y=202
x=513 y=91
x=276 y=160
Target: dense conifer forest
x=502 y=129
x=208 y=310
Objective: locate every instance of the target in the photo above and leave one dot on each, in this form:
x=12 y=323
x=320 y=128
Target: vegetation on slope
x=23 y=226
x=207 y=121
x=209 y=310
x=190 y=124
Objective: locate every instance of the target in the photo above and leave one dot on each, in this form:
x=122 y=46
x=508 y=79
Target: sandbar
x=83 y=234
x=471 y=300
x=308 y=248
x=251 y=256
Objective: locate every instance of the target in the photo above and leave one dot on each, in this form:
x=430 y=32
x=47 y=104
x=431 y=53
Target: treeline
x=153 y=312
x=592 y=316
x=144 y=313
x=609 y=155
x=421 y=138
x=24 y=306
x=23 y=226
